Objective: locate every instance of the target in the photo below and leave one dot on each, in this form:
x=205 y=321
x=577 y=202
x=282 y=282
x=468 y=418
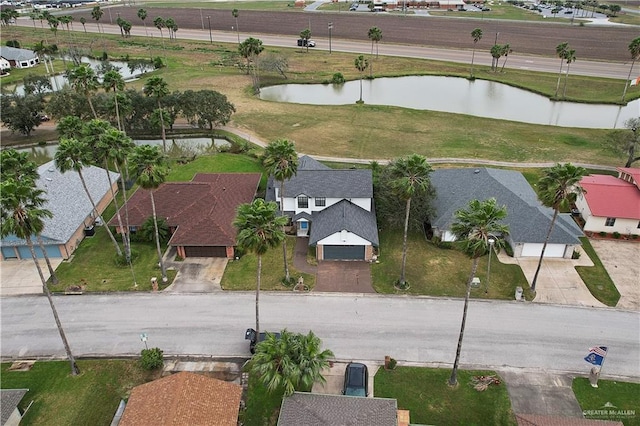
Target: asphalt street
x=363 y=327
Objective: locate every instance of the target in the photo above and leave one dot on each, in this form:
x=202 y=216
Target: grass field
x=611 y=400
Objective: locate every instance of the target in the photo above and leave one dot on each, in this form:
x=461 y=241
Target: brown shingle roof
x=183 y=399
x=202 y=210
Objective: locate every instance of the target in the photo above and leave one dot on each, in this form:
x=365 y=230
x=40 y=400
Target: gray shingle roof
x=15 y=54
x=330 y=183
x=344 y=215
x=336 y=410
x=527 y=218
x=67 y=200
x=9 y=400
x=307 y=163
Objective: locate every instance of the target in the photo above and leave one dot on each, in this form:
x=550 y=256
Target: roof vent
x=49 y=179
x=476 y=171
x=52 y=170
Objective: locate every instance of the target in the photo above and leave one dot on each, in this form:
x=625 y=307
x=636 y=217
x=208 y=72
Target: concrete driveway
x=197 y=275
x=621 y=259
x=21 y=276
x=334 y=377
x=344 y=277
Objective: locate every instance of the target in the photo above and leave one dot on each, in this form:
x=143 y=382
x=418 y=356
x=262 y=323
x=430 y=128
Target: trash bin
x=519 y=294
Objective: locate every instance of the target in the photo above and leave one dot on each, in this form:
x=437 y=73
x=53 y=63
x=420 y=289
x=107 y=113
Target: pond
x=479 y=98
x=176 y=147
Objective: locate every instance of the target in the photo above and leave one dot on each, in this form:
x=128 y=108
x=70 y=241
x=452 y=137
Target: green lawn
x=241 y=274
x=262 y=408
x=596 y=277
x=611 y=400
x=90 y=398
x=430 y=400
x=440 y=272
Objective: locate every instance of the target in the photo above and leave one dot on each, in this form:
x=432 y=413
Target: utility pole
x=210 y=36
x=330 y=28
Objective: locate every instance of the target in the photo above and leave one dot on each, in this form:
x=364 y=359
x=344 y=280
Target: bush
x=13 y=43
x=603 y=234
x=392 y=364
x=338 y=78
x=576 y=254
x=157 y=62
x=616 y=235
x=151 y=359
x=122 y=260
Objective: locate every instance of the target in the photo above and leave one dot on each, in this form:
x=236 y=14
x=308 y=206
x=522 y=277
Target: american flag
x=596 y=355
x=598 y=350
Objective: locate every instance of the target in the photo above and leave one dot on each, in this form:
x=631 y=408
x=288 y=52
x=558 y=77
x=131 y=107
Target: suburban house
x=527 y=218
x=183 y=399
x=72 y=211
x=317 y=409
x=611 y=204
x=5 y=66
x=332 y=207
x=199 y=213
x=19 y=58
x=9 y=400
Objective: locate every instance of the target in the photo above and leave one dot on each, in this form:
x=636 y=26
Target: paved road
x=424 y=330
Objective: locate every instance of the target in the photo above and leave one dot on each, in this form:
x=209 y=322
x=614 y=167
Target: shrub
x=13 y=43
x=616 y=235
x=157 y=62
x=603 y=234
x=338 y=78
x=576 y=254
x=122 y=260
x=392 y=364
x=151 y=359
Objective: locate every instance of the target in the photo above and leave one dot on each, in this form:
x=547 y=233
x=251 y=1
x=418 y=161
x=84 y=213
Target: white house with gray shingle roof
x=527 y=218
x=19 y=58
x=333 y=207
x=71 y=209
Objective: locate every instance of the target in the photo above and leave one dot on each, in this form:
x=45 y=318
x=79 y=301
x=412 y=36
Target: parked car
x=254 y=339
x=356 y=380
x=305 y=42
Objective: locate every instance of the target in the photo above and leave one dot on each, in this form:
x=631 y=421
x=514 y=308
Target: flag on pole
x=596 y=355
x=634 y=82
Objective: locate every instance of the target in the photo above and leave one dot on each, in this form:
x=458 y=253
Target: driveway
x=21 y=276
x=197 y=275
x=344 y=277
x=620 y=259
x=334 y=377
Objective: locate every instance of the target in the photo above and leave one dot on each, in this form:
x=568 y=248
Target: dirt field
x=590 y=42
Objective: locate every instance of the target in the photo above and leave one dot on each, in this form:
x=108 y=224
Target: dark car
x=253 y=339
x=356 y=380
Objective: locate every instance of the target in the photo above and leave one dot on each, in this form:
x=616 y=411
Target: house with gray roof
x=332 y=207
x=330 y=410
x=19 y=58
x=527 y=218
x=72 y=211
x=9 y=400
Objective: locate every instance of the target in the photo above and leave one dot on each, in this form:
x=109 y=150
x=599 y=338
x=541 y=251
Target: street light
x=210 y=36
x=330 y=28
x=486 y=285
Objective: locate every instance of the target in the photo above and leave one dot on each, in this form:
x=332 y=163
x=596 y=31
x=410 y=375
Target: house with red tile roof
x=183 y=399
x=199 y=213
x=611 y=204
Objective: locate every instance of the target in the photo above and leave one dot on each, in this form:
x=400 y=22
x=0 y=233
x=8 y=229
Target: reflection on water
x=176 y=148
x=479 y=98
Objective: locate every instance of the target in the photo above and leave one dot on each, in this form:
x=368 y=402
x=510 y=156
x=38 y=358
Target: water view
x=479 y=98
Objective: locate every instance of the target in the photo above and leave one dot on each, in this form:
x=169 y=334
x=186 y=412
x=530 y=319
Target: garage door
x=200 y=251
x=534 y=250
x=343 y=252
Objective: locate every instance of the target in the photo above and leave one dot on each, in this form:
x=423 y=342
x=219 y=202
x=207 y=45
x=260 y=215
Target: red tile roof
x=609 y=196
x=183 y=399
x=202 y=211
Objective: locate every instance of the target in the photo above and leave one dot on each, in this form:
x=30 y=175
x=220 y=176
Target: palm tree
x=22 y=216
x=142 y=14
x=410 y=177
x=634 y=50
x=157 y=87
x=473 y=228
x=113 y=80
x=96 y=14
x=361 y=64
x=291 y=362
x=259 y=229
x=496 y=54
x=16 y=165
x=250 y=49
x=281 y=160
x=73 y=154
x=561 y=51
x=570 y=56
x=375 y=35
x=306 y=36
x=159 y=23
x=477 y=36
x=235 y=14
x=84 y=81
x=151 y=168
x=83 y=21
x=558 y=188
x=506 y=49
x=172 y=27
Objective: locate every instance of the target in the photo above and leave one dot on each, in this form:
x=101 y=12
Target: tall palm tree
x=73 y=154
x=557 y=188
x=569 y=57
x=96 y=15
x=159 y=23
x=84 y=81
x=410 y=177
x=473 y=228
x=23 y=216
x=311 y=361
x=477 y=36
x=361 y=64
x=250 y=49
x=235 y=14
x=158 y=88
x=151 y=168
x=561 y=51
x=83 y=21
x=113 y=80
x=306 y=36
x=259 y=229
x=142 y=14
x=18 y=166
x=281 y=160
x=634 y=50
x=375 y=35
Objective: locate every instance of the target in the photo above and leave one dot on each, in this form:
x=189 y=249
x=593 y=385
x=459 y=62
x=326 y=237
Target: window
x=304 y=225
x=303 y=202
x=610 y=221
x=321 y=201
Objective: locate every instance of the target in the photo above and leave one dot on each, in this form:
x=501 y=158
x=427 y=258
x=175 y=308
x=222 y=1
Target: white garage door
x=534 y=250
